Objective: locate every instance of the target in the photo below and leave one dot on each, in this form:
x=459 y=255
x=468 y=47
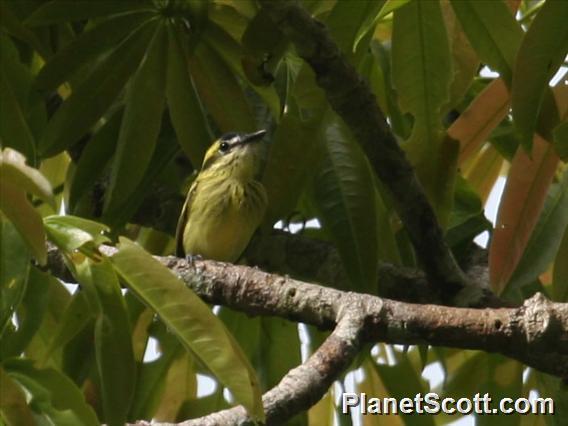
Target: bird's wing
x=183 y=218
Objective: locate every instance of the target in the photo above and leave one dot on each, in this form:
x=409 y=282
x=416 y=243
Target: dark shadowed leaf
x=15 y=265
x=492 y=31
x=90 y=44
x=186 y=111
x=344 y=196
x=542 y=50
x=58 y=11
x=141 y=123
x=91 y=99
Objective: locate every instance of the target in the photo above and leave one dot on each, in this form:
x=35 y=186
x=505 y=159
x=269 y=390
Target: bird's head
x=238 y=155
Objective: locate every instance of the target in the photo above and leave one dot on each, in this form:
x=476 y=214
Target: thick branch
x=535 y=334
x=354 y=102
x=529 y=333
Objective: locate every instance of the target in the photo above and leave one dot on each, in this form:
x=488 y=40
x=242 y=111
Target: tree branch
x=354 y=102
x=535 y=333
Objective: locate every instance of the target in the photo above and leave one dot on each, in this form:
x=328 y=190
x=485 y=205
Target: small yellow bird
x=226 y=202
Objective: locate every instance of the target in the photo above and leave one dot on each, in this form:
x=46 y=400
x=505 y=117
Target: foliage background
x=113 y=103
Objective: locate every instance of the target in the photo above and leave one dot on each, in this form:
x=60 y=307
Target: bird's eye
x=224 y=147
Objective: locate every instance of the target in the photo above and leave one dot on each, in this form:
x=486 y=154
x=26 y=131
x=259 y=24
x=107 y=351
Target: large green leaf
x=14 y=409
x=542 y=51
x=191 y=321
x=546 y=237
x=70 y=233
x=16 y=207
x=74 y=318
x=14 y=171
x=401 y=380
x=152 y=376
x=163 y=157
x=14 y=129
x=289 y=165
x=92 y=98
x=58 y=11
x=220 y=92
x=30 y=314
x=186 y=111
x=345 y=197
x=350 y=22
x=113 y=340
x=422 y=70
x=231 y=53
x=492 y=31
x=561 y=140
x=13 y=26
x=95 y=158
x=90 y=44
x=140 y=124
x=53 y=396
x=14 y=268
x=560 y=275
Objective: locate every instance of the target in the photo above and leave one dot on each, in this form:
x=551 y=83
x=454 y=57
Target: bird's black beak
x=252 y=137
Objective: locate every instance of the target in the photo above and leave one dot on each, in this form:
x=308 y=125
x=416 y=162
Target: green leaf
x=94 y=159
x=290 y=165
x=220 y=91
x=76 y=315
x=561 y=140
x=58 y=11
x=53 y=396
x=113 y=340
x=349 y=22
x=560 y=274
x=401 y=380
x=12 y=25
x=231 y=53
x=191 y=321
x=17 y=208
x=14 y=129
x=14 y=269
x=278 y=350
x=344 y=196
x=90 y=44
x=546 y=237
x=422 y=68
x=30 y=314
x=492 y=31
x=186 y=111
x=141 y=123
x=528 y=182
x=152 y=376
x=92 y=98
x=554 y=388
x=71 y=232
x=162 y=158
x=14 y=409
x=15 y=172
x=542 y=51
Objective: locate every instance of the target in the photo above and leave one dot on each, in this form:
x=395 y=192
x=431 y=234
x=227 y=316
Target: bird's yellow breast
x=221 y=227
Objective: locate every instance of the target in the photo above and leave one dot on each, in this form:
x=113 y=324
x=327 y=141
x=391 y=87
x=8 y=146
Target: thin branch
x=350 y=96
